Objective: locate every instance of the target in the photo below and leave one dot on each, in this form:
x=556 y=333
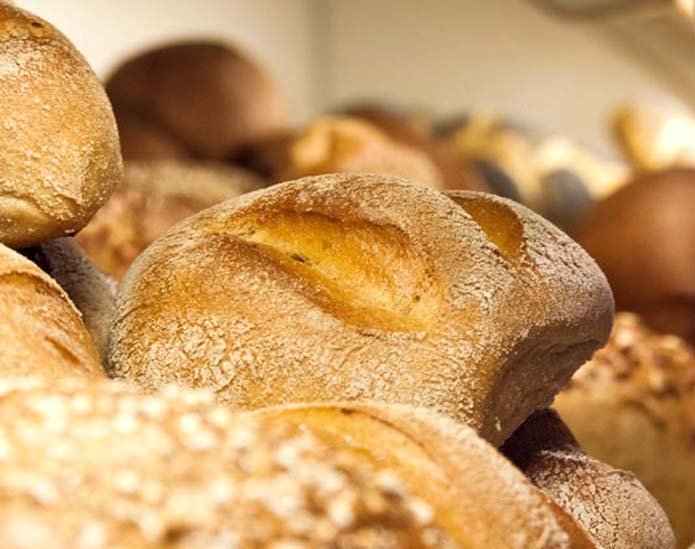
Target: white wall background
x=447 y=55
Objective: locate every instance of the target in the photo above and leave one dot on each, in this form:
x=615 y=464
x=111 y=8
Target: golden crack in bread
x=364 y=287
x=90 y=289
x=153 y=196
x=60 y=156
x=334 y=144
x=479 y=498
x=611 y=504
x=41 y=332
x=207 y=96
x=633 y=406
x=643 y=237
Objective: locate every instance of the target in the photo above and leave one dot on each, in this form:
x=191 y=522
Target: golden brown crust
x=478 y=497
x=611 y=504
x=152 y=197
x=642 y=237
x=633 y=406
x=60 y=156
x=364 y=287
x=90 y=289
x=41 y=332
x=208 y=96
x=340 y=145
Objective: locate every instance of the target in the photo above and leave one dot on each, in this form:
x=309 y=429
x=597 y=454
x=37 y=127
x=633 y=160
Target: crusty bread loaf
x=611 y=504
x=359 y=287
x=101 y=466
x=153 y=196
x=89 y=288
x=335 y=144
x=479 y=498
x=643 y=237
x=41 y=332
x=633 y=406
x=60 y=157
x=208 y=96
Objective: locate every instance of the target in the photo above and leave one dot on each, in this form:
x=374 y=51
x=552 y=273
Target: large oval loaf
x=364 y=287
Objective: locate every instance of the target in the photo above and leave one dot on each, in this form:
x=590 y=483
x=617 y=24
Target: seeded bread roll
x=611 y=504
x=101 y=466
x=210 y=97
x=340 y=144
x=90 y=289
x=364 y=287
x=60 y=157
x=633 y=406
x=479 y=498
x=643 y=237
x=152 y=197
x=41 y=332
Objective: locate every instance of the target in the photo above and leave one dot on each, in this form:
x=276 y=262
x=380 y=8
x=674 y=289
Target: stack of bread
x=333 y=361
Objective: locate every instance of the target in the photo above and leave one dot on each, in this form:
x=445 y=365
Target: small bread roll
x=413 y=129
x=90 y=289
x=152 y=197
x=364 y=287
x=633 y=406
x=611 y=504
x=643 y=237
x=208 y=96
x=478 y=497
x=41 y=333
x=101 y=466
x=60 y=157
x=341 y=144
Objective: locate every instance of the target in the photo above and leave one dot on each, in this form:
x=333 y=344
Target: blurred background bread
x=611 y=504
x=340 y=144
x=633 y=406
x=643 y=238
x=59 y=158
x=153 y=196
x=41 y=333
x=209 y=97
x=357 y=287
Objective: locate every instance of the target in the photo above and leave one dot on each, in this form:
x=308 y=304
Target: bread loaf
x=41 y=332
x=643 y=237
x=153 y=196
x=337 y=145
x=611 y=504
x=59 y=158
x=633 y=406
x=207 y=96
x=359 y=287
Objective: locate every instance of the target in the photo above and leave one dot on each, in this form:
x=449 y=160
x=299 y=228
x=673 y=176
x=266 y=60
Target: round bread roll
x=152 y=197
x=611 y=504
x=208 y=96
x=364 y=287
x=60 y=156
x=340 y=144
x=478 y=497
x=643 y=237
x=41 y=332
x=89 y=288
x=633 y=406
x=98 y=465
